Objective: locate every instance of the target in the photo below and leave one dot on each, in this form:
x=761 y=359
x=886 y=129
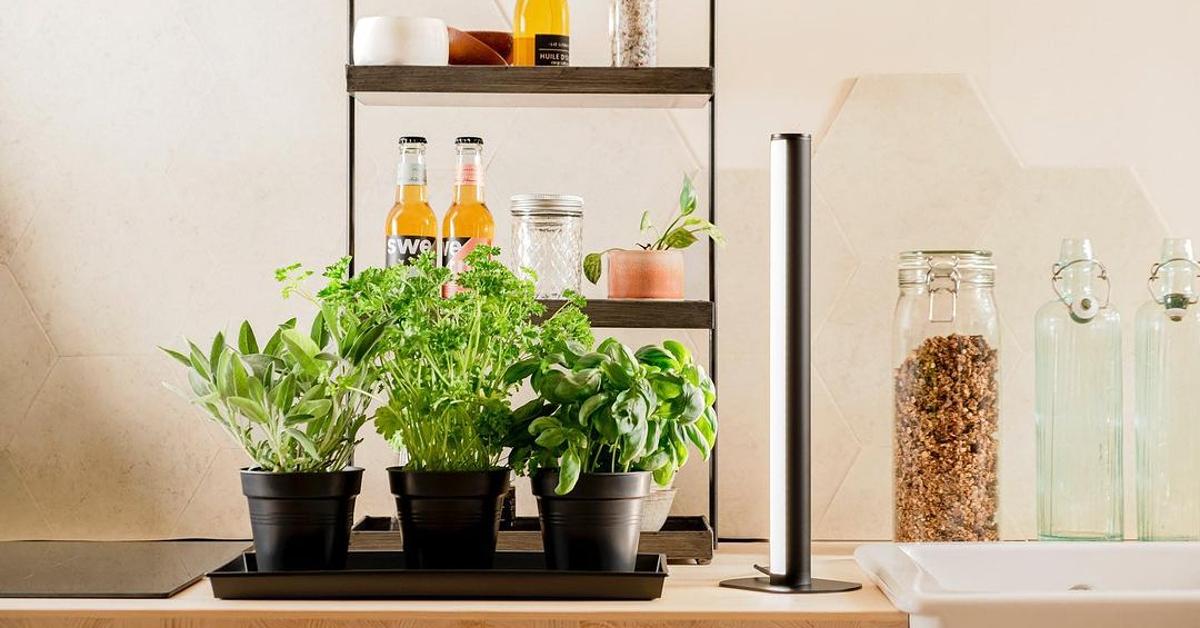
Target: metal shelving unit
x=561 y=87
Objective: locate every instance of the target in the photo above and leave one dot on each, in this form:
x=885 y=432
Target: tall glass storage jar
x=547 y=238
x=1077 y=346
x=1167 y=399
x=946 y=398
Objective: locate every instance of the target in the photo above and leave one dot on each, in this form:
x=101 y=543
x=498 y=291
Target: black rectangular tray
x=687 y=539
x=383 y=575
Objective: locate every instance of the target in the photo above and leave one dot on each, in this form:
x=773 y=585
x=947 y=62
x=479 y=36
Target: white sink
x=1035 y=584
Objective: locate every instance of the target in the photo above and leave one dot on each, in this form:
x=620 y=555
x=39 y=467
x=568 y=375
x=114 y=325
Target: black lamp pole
x=791 y=231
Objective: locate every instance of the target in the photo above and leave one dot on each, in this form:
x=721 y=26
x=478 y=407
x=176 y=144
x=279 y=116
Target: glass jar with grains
x=946 y=397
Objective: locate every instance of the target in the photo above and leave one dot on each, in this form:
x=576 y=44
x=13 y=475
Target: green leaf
x=635 y=442
x=200 y=385
x=591 y=405
x=645 y=225
x=318 y=333
x=238 y=375
x=218 y=347
x=591 y=267
x=657 y=356
x=680 y=238
x=687 y=197
x=568 y=472
x=666 y=386
x=179 y=357
x=364 y=347
x=250 y=408
x=303 y=350
x=551 y=438
x=616 y=374
x=519 y=371
x=677 y=349
x=655 y=461
x=305 y=442
x=317 y=408
x=247 y=343
x=689 y=405
x=698 y=439
x=284 y=393
x=590 y=360
x=664 y=474
x=199 y=361
x=577 y=385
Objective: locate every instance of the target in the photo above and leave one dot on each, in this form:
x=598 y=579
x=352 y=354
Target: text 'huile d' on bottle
x=468 y=223
x=541 y=33
x=1079 y=417
x=412 y=228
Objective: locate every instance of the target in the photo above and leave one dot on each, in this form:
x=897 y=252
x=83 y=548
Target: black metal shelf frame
x=711 y=310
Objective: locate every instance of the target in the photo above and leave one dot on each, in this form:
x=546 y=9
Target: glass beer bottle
x=411 y=224
x=541 y=33
x=468 y=223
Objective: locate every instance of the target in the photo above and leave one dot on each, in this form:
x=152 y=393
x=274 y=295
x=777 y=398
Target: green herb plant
x=443 y=361
x=296 y=403
x=613 y=410
x=684 y=230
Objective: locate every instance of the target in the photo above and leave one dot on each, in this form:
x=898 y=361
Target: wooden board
x=681 y=539
x=482 y=86
x=644 y=313
x=691 y=599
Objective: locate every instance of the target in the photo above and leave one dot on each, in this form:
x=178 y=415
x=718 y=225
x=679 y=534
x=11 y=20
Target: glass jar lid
x=969 y=266
x=546 y=205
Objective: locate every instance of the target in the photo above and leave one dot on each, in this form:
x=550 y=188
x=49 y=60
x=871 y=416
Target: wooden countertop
x=690 y=598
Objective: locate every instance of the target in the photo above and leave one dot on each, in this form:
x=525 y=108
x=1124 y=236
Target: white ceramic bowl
x=401 y=41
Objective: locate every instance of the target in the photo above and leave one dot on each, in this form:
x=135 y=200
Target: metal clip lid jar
x=946 y=397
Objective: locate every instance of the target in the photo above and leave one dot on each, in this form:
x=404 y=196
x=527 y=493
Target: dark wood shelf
x=491 y=86
x=644 y=314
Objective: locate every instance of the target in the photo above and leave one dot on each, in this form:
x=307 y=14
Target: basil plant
x=297 y=402
x=613 y=409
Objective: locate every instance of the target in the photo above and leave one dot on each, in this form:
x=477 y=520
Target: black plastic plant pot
x=596 y=526
x=301 y=521
x=449 y=519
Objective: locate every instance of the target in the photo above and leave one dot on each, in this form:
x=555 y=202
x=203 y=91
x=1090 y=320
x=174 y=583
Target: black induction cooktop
x=130 y=569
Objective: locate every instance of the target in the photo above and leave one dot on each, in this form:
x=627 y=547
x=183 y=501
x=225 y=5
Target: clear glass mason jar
x=1079 y=416
x=547 y=238
x=946 y=398
x=1167 y=399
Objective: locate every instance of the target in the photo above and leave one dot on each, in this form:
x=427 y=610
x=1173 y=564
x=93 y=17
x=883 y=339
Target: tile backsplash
x=149 y=190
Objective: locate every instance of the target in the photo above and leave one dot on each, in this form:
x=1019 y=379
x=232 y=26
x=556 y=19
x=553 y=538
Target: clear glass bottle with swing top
x=1077 y=342
x=1167 y=399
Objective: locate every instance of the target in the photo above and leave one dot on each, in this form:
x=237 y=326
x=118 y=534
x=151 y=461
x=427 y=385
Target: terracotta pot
x=645 y=274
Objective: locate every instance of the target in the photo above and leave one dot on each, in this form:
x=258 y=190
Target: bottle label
x=467 y=174
x=410 y=173
x=454 y=257
x=551 y=50
x=405 y=249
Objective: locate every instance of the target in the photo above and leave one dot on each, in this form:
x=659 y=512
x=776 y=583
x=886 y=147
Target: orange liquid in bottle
x=468 y=222
x=412 y=228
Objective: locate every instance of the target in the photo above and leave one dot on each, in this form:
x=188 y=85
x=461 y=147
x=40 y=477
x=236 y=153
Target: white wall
x=158 y=159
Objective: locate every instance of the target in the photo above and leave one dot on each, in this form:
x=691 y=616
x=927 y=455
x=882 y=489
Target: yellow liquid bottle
x=468 y=223
x=541 y=33
x=412 y=227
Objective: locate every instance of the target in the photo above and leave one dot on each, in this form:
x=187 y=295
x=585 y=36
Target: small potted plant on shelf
x=605 y=424
x=443 y=366
x=295 y=405
x=654 y=270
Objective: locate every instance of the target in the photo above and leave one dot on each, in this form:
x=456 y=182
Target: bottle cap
x=546 y=205
x=412 y=139
x=469 y=139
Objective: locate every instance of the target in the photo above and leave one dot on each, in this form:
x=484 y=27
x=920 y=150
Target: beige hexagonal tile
x=862 y=507
x=26 y=355
x=217 y=508
x=1018 y=467
x=22 y=518
x=108 y=452
x=853 y=351
x=913 y=161
x=1106 y=205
